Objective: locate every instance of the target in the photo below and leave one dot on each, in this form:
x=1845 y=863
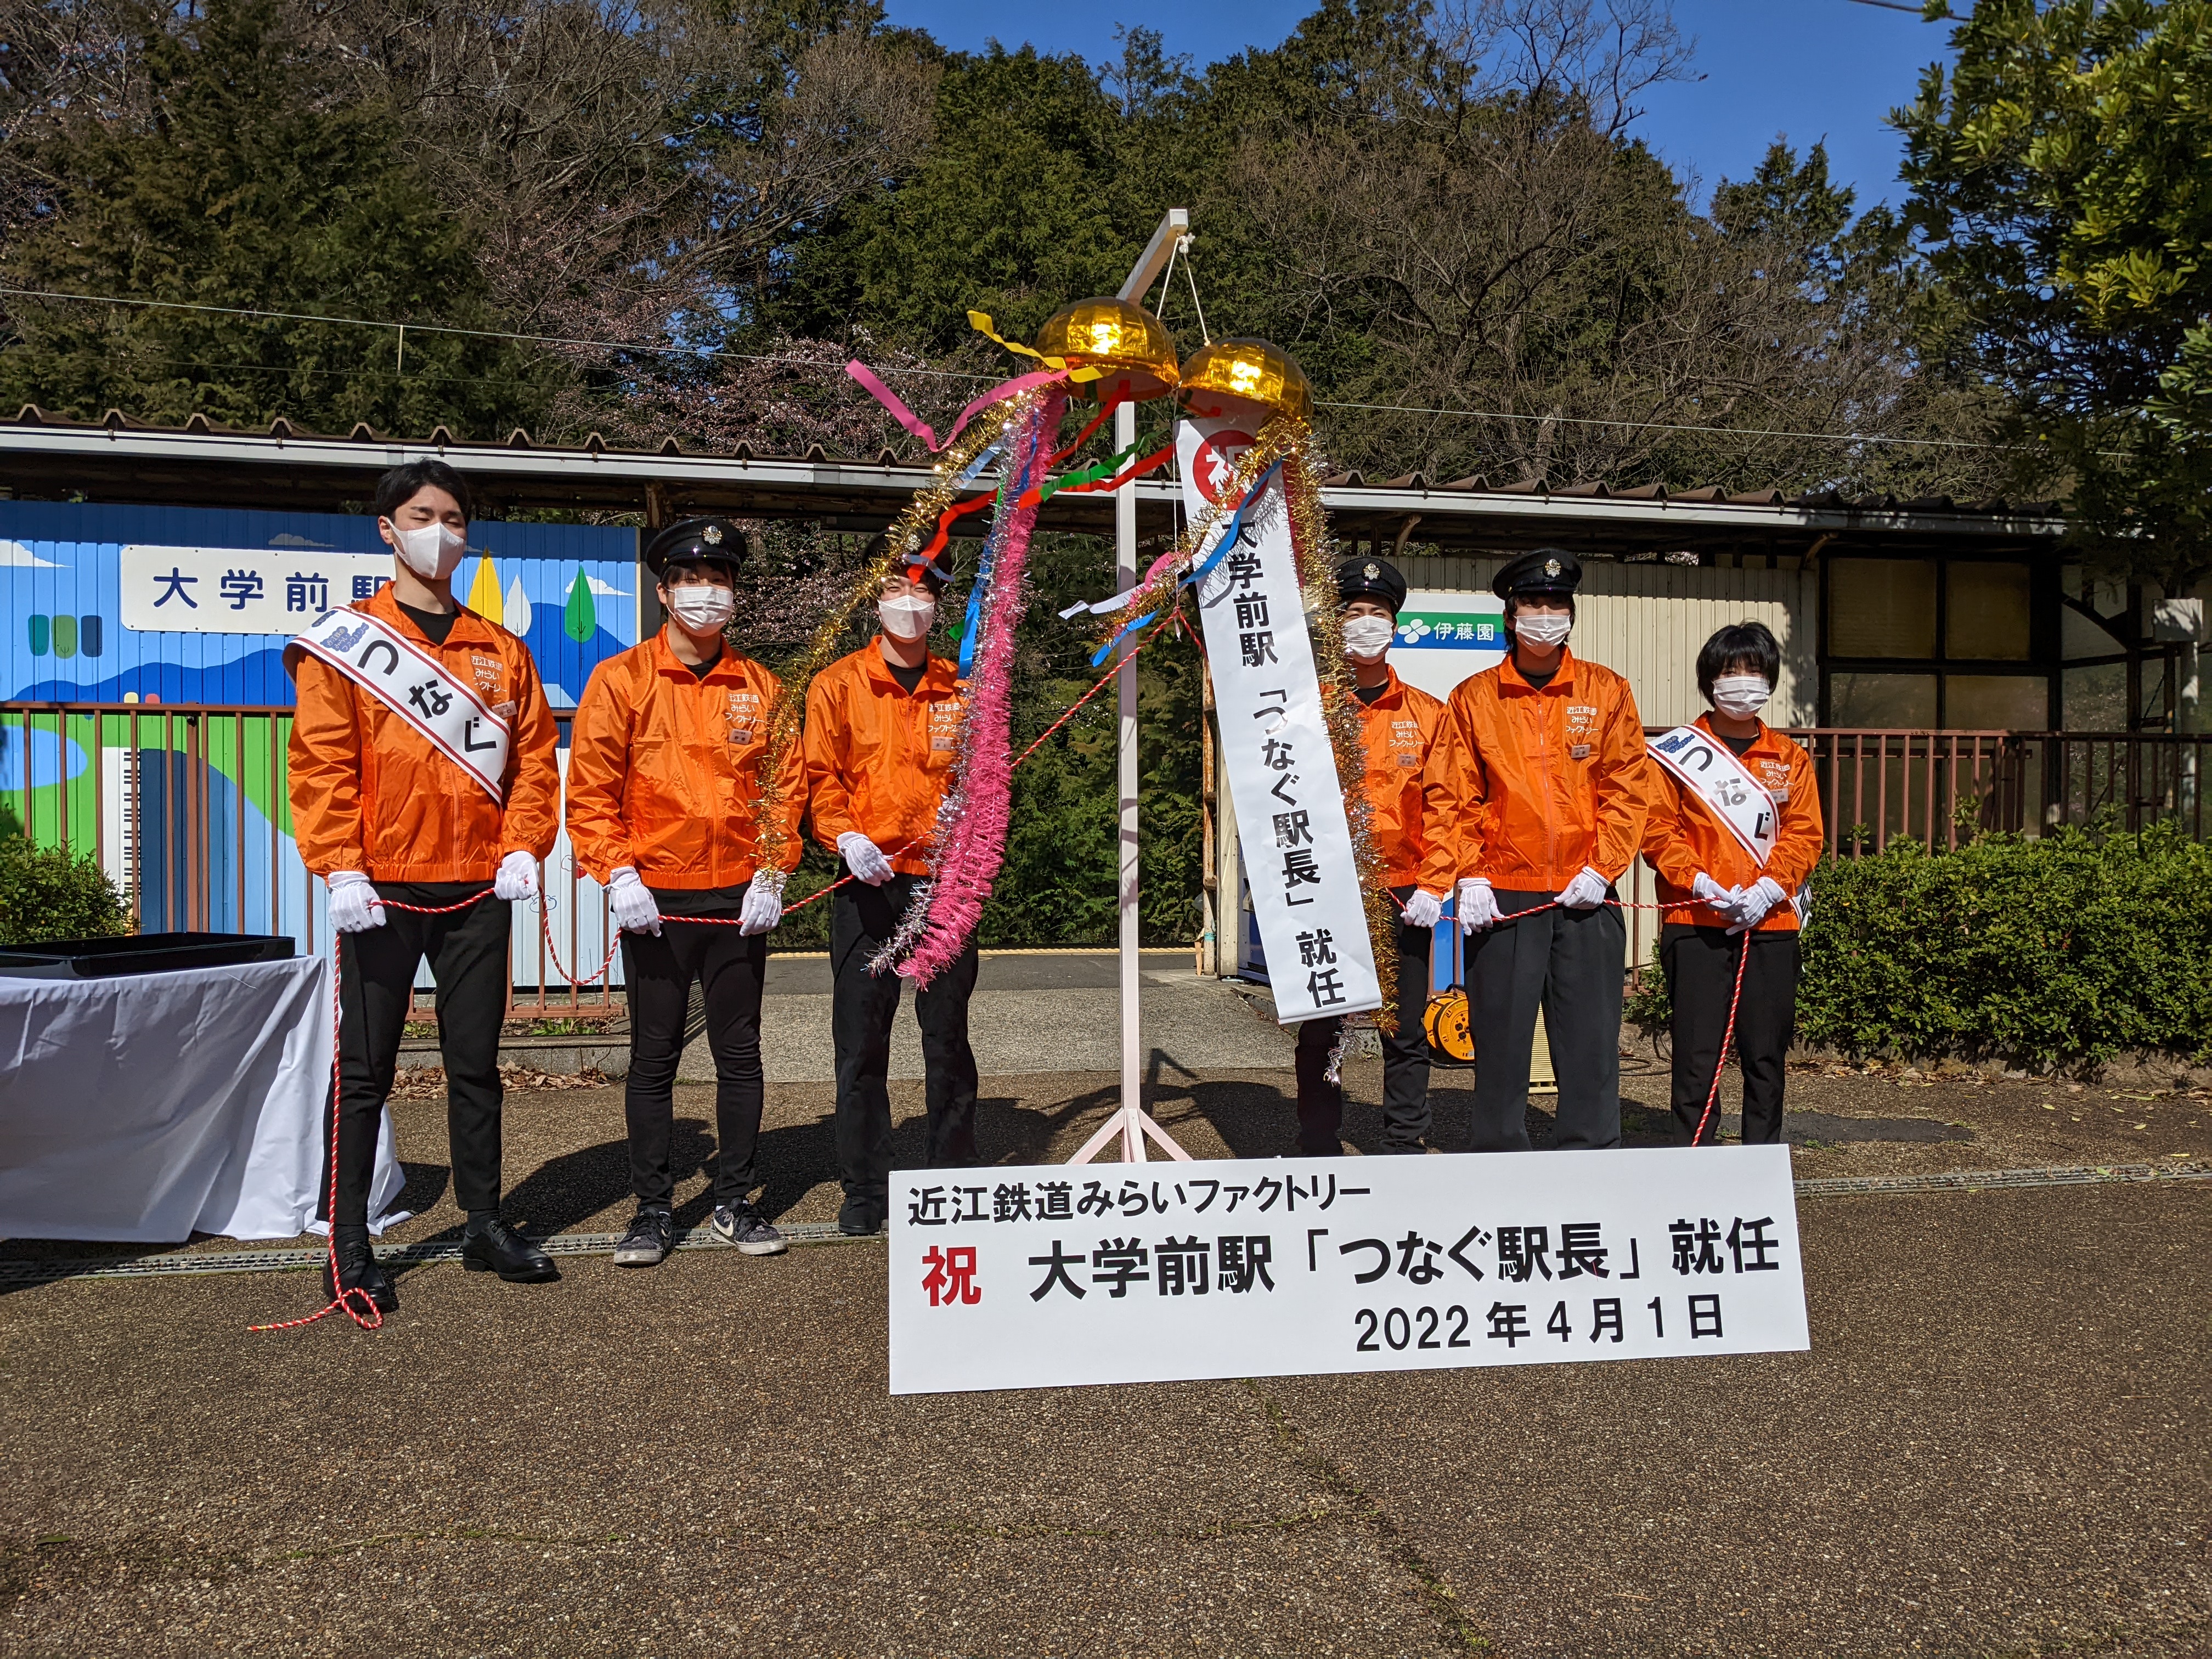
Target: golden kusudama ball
x=1131 y=346
x=1251 y=370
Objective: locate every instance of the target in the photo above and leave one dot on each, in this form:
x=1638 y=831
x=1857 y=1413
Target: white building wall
x=1648 y=621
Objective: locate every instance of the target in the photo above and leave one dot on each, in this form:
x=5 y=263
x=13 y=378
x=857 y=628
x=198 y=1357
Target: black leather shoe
x=497 y=1248
x=359 y=1270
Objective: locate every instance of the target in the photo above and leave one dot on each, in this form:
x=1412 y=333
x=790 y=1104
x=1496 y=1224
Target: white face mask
x=1543 y=628
x=703 y=607
x=1367 y=637
x=907 y=616
x=431 y=551
x=1740 y=697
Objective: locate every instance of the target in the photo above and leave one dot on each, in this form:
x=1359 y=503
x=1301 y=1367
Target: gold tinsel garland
x=906 y=533
x=1290 y=440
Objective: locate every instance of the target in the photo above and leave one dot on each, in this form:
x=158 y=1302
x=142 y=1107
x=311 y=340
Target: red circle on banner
x=1214 y=465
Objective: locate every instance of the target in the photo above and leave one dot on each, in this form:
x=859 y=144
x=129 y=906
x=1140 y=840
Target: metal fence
x=185 y=808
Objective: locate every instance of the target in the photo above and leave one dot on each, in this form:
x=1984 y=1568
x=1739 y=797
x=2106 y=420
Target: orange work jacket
x=1399 y=728
x=664 y=770
x=369 y=794
x=1526 y=786
x=1683 y=837
x=878 y=760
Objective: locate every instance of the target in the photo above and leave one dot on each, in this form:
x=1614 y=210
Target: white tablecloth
x=146 y=1107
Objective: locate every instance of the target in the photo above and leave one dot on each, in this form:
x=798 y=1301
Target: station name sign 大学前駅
x=229 y=590
x=1046 y=1277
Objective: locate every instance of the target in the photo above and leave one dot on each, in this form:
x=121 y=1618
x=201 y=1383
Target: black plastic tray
x=139 y=953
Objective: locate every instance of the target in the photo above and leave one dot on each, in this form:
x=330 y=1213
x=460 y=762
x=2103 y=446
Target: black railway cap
x=696 y=541
x=1371 y=579
x=1543 y=570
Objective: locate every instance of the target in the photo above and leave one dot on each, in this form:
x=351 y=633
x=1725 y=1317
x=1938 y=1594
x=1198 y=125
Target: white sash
x=414 y=685
x=1708 y=770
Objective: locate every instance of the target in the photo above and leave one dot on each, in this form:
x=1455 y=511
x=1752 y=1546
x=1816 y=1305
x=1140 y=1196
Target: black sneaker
x=744 y=1227
x=651 y=1236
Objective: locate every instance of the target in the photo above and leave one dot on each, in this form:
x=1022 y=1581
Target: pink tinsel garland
x=975 y=844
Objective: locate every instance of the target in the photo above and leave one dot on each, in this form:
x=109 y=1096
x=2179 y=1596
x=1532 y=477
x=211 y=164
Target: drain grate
x=16 y=1274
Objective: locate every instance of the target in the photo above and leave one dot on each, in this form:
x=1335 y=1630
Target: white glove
x=863 y=858
x=764 y=906
x=1707 y=891
x=1585 y=892
x=1752 y=903
x=636 y=909
x=1476 y=907
x=354 y=907
x=1422 y=910
x=517 y=877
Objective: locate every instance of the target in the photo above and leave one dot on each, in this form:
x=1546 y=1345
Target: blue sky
x=1808 y=69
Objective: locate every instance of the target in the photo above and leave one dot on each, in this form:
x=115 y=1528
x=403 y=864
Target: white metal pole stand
x=1130 y=1121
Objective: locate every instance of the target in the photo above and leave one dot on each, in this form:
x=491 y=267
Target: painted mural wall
x=184 y=612
x=193 y=604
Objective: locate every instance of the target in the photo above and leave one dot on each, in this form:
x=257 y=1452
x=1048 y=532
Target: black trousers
x=1405 y=1060
x=730 y=968
x=1569 y=963
x=467 y=951
x=1701 y=964
x=862 y=1010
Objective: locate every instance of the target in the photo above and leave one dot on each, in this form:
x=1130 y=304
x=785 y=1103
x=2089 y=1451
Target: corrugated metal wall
x=1647 y=621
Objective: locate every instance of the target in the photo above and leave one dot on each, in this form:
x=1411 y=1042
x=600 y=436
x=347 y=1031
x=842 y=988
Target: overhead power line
x=404 y=329
x=952 y=374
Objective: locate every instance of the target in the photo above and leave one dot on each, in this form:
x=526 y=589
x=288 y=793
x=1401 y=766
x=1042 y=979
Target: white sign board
x=1049 y=1277
x=1445 y=636
x=1297 y=841
x=241 y=590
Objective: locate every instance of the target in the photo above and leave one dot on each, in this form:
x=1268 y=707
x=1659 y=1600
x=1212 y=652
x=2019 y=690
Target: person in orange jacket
x=1721 y=901
x=1534 y=804
x=1398 y=727
x=664 y=787
x=882 y=729
x=382 y=814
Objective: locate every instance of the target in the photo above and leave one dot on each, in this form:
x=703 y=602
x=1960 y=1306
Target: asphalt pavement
x=1994 y=1447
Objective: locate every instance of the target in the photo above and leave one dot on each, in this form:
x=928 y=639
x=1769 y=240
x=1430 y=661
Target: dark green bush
x=45 y=893
x=2060 y=952
x=2064 y=950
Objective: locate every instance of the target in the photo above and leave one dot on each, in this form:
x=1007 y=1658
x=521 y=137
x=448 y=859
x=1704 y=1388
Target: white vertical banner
x=1274 y=742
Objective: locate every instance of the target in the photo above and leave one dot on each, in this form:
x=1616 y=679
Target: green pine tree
x=582 y=618
x=250 y=189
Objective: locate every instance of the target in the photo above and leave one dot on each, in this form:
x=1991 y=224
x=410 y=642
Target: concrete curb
x=18 y=1275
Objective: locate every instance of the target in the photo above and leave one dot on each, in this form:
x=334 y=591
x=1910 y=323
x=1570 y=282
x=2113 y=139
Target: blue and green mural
x=184 y=612
x=173 y=605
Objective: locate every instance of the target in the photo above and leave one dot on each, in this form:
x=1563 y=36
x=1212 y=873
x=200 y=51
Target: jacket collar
x=1563 y=677
x=940 y=678
x=469 y=628
x=1764 y=743
x=728 y=667
x=1393 y=693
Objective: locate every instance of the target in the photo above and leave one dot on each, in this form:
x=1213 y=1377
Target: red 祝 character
x=950 y=1279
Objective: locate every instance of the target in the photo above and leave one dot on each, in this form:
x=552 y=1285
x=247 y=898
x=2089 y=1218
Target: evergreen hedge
x=45 y=893
x=2057 y=952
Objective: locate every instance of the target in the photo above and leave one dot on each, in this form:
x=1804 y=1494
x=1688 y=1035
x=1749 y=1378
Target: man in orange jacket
x=882 y=729
x=1534 y=807
x=1398 y=727
x=386 y=809
x=665 y=788
x=1723 y=899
